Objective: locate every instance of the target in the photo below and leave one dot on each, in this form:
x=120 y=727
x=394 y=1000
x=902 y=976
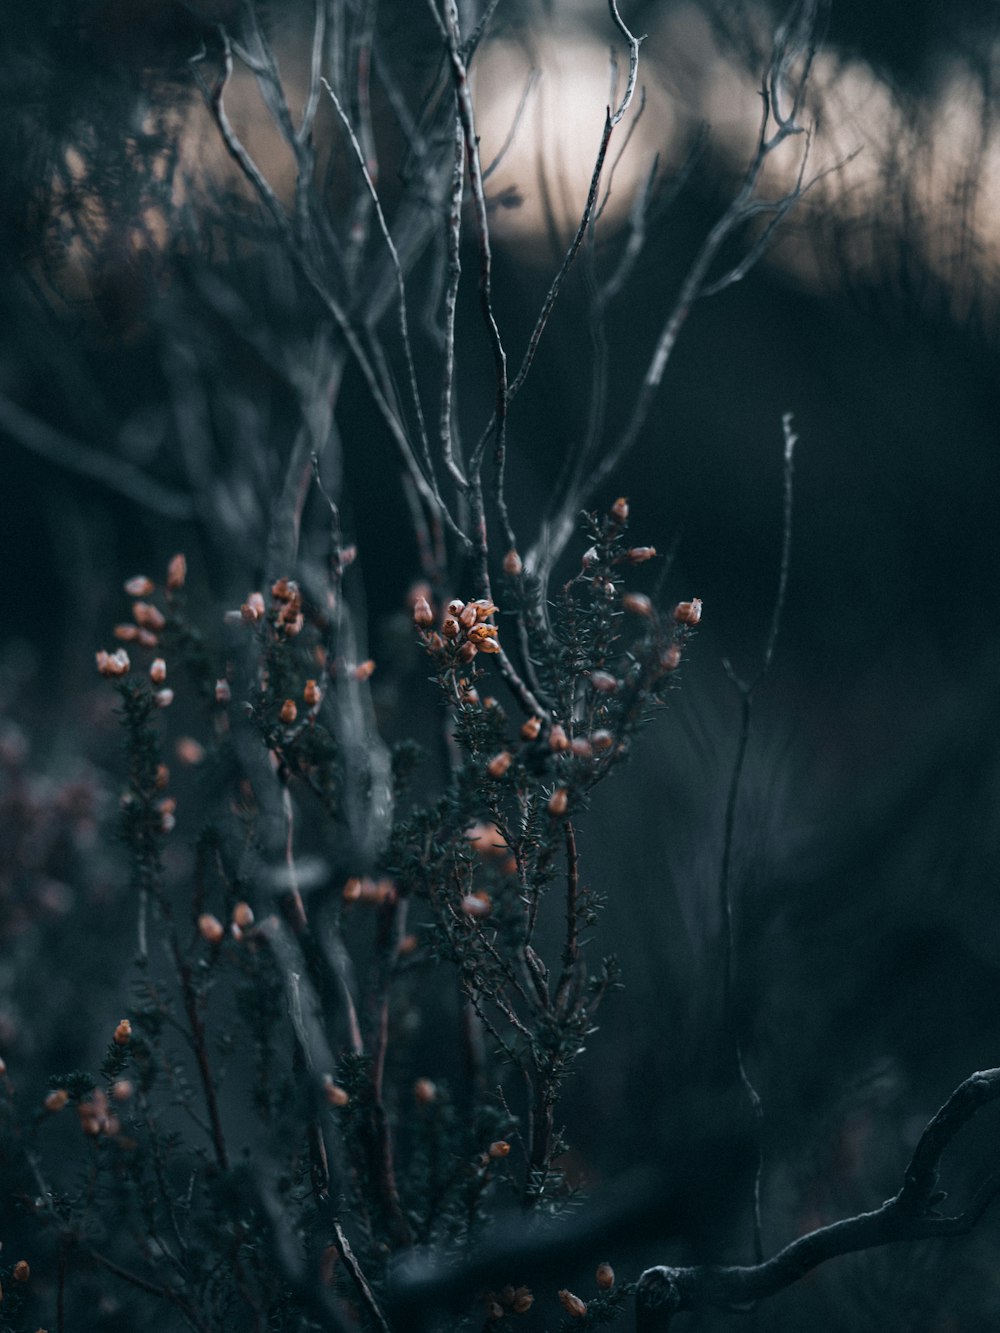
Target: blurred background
x=144 y=409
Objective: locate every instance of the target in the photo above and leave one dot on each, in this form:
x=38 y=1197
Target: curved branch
x=909 y=1215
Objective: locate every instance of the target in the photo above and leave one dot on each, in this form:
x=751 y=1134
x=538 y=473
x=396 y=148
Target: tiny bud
x=157 y=671
x=293 y=625
x=638 y=603
x=210 y=928
x=407 y=945
x=223 y=693
x=558 y=740
x=603 y=682
x=476 y=905
x=513 y=565
x=352 y=890
x=481 y=632
x=572 y=1304
x=558 y=801
x=423 y=616
x=581 y=747
x=638 y=555
x=176 y=572
x=499 y=764
x=253 y=608
x=501 y=1148
x=486 y=645
x=126 y=633
x=243 y=915
x=122 y=1089
x=605 y=1276
x=113 y=664
x=145 y=638
x=467 y=617
x=468 y=651
x=311 y=694
x=424 y=1092
x=364 y=670
x=56 y=1100
x=123 y=1033
x=189 y=751
x=602 y=740
x=164 y=698
x=450 y=627
x=494 y=1310
x=619 y=511
x=168 y=821
x=671 y=659
x=22 y=1271
x=139 y=586
x=688 y=613
x=162 y=776
x=148 y=616
x=523 y=1300
x=333 y=1092
x=484 y=608
x=590 y=557
x=531 y=728
x=289 y=712
x=455 y=607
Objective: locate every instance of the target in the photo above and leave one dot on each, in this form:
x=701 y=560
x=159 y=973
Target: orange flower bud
x=176 y=572
x=558 y=740
x=523 y=1300
x=243 y=915
x=513 y=564
x=558 y=801
x=499 y=1149
x=638 y=603
x=477 y=905
x=424 y=1092
x=162 y=776
x=352 y=890
x=210 y=928
x=123 y=1033
x=499 y=764
x=157 y=671
x=289 y=712
x=638 y=555
x=113 y=664
x=364 y=670
x=602 y=740
x=122 y=1089
x=619 y=511
x=407 y=945
x=531 y=728
x=605 y=1276
x=148 y=616
x=139 y=586
x=253 y=608
x=572 y=1304
x=467 y=617
x=56 y=1100
x=333 y=1092
x=21 y=1271
x=423 y=616
x=670 y=660
x=688 y=613
x=450 y=627
x=126 y=633
x=486 y=645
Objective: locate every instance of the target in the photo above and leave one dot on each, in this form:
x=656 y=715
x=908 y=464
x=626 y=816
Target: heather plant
x=366 y=954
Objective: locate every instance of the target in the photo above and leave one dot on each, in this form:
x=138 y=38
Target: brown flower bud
x=423 y=616
x=523 y=1300
x=619 y=511
x=455 y=607
x=499 y=764
x=638 y=555
x=477 y=904
x=364 y=670
x=145 y=638
x=450 y=627
x=468 y=651
x=531 y=728
x=311 y=694
x=164 y=698
x=253 y=609
x=558 y=802
x=486 y=646
x=494 y=1310
x=572 y=1304
x=352 y=890
x=499 y=1149
x=56 y=1100
x=189 y=751
x=558 y=740
x=122 y=1089
x=157 y=671
x=688 y=613
x=424 y=1092
x=333 y=1092
x=162 y=776
x=113 y=664
x=289 y=712
x=603 y=682
x=581 y=747
x=605 y=1276
x=210 y=928
x=243 y=915
x=126 y=633
x=513 y=565
x=602 y=740
x=177 y=572
x=670 y=660
x=123 y=1033
x=148 y=616
x=638 y=603
x=139 y=586
x=22 y=1271
x=467 y=617
x=484 y=608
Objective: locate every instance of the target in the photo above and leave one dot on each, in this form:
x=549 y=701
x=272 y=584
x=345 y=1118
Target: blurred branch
x=909 y=1215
